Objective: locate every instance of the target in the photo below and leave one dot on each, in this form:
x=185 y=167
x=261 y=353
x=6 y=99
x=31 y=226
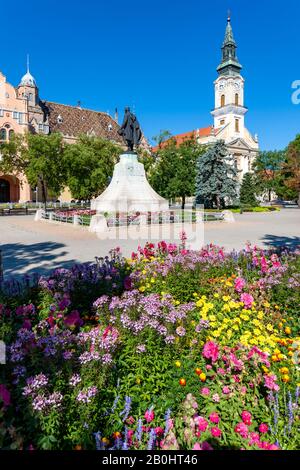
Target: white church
x=229 y=111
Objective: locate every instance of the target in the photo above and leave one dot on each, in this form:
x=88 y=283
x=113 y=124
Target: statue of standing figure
x=130 y=130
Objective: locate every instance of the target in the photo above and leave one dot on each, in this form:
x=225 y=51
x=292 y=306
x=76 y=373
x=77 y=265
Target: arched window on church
x=11 y=134
x=222 y=101
x=3 y=134
x=236 y=99
x=237 y=125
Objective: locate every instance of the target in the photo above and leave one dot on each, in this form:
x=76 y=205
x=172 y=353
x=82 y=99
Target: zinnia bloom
x=211 y=351
x=263 y=428
x=214 y=418
x=215 y=432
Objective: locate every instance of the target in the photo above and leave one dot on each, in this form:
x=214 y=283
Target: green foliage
x=291 y=167
x=90 y=163
x=247 y=191
x=216 y=178
x=174 y=172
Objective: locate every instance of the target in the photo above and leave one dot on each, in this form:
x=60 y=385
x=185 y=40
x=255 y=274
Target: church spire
x=229 y=64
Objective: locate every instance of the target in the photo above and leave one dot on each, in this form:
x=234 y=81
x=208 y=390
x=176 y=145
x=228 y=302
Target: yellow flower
x=244 y=317
x=226 y=308
x=288 y=330
x=256 y=322
x=203 y=297
x=269 y=327
x=284 y=370
x=152 y=280
x=216 y=295
x=202 y=377
x=226 y=298
x=177 y=302
x=195 y=294
x=261 y=339
x=228 y=284
x=212 y=317
x=256 y=331
x=285 y=378
x=177 y=363
x=266 y=304
x=235 y=327
x=142 y=288
x=199 y=303
x=260 y=315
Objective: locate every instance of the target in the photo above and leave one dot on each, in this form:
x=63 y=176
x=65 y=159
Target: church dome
x=28 y=80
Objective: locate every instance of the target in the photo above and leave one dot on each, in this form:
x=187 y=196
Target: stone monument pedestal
x=129 y=190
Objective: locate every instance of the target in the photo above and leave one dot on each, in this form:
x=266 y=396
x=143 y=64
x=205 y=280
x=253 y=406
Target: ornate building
x=229 y=111
x=21 y=111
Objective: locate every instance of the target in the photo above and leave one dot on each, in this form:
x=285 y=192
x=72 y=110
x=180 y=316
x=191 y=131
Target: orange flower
x=182 y=382
x=198 y=371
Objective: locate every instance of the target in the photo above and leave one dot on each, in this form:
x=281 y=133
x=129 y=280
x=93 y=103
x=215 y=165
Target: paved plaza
x=30 y=246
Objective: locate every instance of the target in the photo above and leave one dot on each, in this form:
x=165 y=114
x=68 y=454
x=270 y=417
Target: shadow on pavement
x=282 y=241
x=19 y=259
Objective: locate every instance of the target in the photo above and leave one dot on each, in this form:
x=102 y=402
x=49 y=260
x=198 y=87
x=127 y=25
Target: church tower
x=28 y=89
x=229 y=109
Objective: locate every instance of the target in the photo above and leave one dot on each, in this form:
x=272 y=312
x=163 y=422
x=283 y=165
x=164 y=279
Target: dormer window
x=59 y=119
x=110 y=127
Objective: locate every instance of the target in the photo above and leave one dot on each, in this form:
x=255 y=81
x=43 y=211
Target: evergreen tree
x=247 y=191
x=216 y=176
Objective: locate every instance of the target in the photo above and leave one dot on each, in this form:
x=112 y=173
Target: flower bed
x=169 y=349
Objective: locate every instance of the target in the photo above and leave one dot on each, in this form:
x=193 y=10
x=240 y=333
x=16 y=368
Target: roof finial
x=28 y=63
x=228 y=16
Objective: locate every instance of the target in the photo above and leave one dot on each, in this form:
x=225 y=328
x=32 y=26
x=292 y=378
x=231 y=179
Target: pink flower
x=159 y=431
x=254 y=438
x=215 y=432
x=247 y=299
x=211 y=351
x=201 y=423
x=5 y=395
x=73 y=319
x=197 y=446
x=239 y=284
x=208 y=367
x=246 y=417
x=221 y=371
x=241 y=429
x=243 y=390
x=263 y=428
x=270 y=382
x=273 y=447
x=205 y=391
x=216 y=398
x=214 y=418
x=149 y=415
x=226 y=390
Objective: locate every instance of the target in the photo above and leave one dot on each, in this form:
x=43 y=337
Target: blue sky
x=159 y=56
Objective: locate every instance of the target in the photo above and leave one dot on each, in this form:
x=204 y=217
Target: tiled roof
x=180 y=138
x=73 y=121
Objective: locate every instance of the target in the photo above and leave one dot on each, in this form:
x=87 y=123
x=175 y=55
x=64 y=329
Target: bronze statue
x=130 y=130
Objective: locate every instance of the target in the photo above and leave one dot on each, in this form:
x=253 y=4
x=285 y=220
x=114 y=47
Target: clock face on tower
x=222 y=85
x=237 y=85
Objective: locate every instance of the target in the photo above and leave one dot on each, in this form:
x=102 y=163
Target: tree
x=267 y=168
x=90 y=164
x=173 y=174
x=247 y=191
x=291 y=167
x=40 y=157
x=216 y=177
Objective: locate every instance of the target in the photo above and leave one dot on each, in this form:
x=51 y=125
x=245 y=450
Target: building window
x=237 y=125
x=41 y=127
x=222 y=101
x=30 y=97
x=1 y=112
x=15 y=115
x=222 y=122
x=11 y=133
x=59 y=119
x=236 y=99
x=3 y=134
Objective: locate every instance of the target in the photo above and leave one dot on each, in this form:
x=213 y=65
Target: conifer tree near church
x=216 y=176
x=247 y=191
